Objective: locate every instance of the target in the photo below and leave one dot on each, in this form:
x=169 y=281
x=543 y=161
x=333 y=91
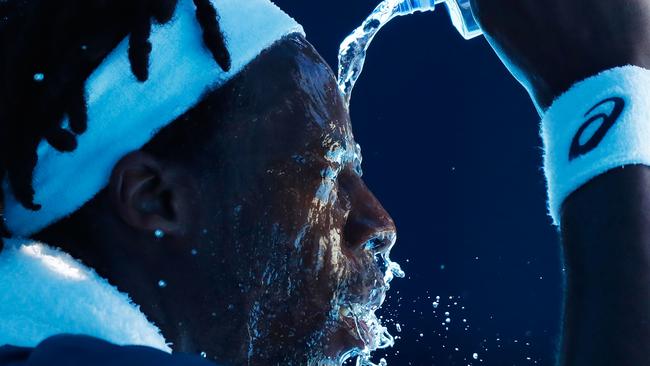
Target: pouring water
x=352 y=52
x=352 y=56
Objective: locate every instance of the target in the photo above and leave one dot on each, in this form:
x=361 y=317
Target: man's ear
x=148 y=194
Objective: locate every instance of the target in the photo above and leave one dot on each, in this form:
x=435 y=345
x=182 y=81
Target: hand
x=549 y=45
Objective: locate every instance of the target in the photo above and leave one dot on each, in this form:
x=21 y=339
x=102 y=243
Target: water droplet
x=204 y=355
x=448 y=320
x=475 y=356
x=398 y=327
x=39 y=77
x=162 y=284
x=158 y=234
x=194 y=252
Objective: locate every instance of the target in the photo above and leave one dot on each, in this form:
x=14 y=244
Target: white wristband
x=600 y=124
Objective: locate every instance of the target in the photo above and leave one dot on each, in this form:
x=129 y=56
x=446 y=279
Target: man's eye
x=358 y=159
x=356 y=165
x=381 y=262
x=331 y=173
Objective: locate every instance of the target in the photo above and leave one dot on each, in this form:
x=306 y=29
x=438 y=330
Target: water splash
x=352 y=53
x=382 y=338
x=369 y=327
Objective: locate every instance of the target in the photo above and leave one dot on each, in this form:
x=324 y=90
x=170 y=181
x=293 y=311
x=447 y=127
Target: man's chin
x=355 y=337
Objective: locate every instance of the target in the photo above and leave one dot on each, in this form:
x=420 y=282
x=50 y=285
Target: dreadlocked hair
x=48 y=50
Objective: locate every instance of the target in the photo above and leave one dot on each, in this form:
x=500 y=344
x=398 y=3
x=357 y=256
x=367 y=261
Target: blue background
x=451 y=148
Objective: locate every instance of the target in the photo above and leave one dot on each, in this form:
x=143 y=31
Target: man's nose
x=368 y=222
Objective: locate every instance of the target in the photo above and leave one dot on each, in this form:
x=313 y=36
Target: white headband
x=124 y=114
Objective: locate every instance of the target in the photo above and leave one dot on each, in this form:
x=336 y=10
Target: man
x=217 y=184
x=270 y=252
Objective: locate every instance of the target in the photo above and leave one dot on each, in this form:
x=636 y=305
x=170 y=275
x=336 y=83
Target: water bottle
x=460 y=12
x=462 y=18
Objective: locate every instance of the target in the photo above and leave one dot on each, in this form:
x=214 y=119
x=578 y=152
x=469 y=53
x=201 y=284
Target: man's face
x=292 y=257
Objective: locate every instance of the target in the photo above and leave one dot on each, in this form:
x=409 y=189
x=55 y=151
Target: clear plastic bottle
x=462 y=18
x=460 y=12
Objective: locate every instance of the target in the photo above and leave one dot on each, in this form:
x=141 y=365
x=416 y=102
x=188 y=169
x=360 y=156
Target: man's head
x=243 y=229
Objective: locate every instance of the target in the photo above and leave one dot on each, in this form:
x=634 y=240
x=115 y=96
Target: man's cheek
x=323 y=250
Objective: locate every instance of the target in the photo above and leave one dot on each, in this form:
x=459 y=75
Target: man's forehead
x=333 y=136
x=289 y=100
x=324 y=102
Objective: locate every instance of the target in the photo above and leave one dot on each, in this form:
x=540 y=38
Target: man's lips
x=360 y=333
x=358 y=329
x=348 y=340
x=355 y=322
x=344 y=339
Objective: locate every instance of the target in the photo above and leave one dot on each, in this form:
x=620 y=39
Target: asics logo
x=602 y=122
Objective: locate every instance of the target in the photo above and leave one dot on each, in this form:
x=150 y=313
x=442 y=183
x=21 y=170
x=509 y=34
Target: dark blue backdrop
x=451 y=148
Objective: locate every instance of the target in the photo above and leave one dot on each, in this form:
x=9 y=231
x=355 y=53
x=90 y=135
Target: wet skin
x=266 y=221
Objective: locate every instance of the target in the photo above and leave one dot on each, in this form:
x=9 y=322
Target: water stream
x=352 y=56
x=352 y=53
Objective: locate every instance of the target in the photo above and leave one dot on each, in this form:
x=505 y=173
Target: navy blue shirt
x=72 y=350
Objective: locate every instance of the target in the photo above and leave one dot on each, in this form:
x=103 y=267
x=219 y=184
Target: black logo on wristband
x=606 y=122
